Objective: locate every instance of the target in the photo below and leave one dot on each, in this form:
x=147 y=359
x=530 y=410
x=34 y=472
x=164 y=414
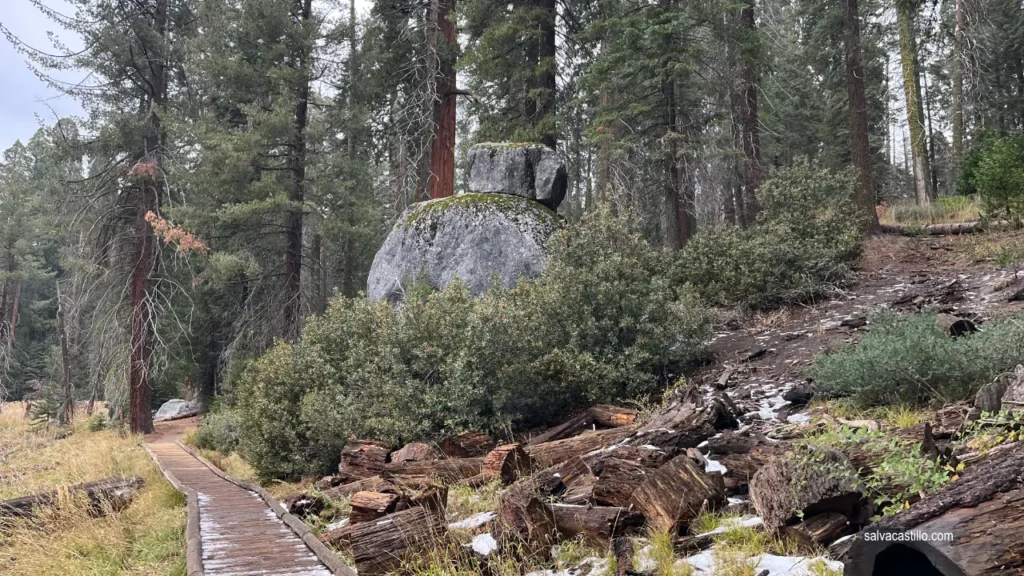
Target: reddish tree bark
x=859 y=117
x=442 y=150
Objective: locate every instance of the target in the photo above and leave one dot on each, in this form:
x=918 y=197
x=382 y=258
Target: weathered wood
x=676 y=493
x=645 y=455
x=414 y=452
x=572 y=427
x=740 y=468
x=617 y=482
x=524 y=517
x=338 y=535
x=613 y=416
x=687 y=421
x=371 y=484
x=367 y=506
x=983 y=511
x=425 y=473
x=622 y=549
x=380 y=546
x=598 y=524
x=433 y=498
x=821 y=529
x=108 y=494
x=507 y=463
x=551 y=453
x=362 y=459
x=805 y=482
x=468 y=445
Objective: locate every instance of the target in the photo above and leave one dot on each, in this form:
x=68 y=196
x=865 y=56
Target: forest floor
x=768 y=353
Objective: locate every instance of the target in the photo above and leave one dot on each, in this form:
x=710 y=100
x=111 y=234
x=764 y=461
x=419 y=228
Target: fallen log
x=821 y=529
x=687 y=421
x=367 y=506
x=414 y=452
x=109 y=494
x=676 y=493
x=613 y=416
x=468 y=445
x=572 y=427
x=555 y=452
x=428 y=472
x=806 y=482
x=617 y=482
x=981 y=518
x=371 y=484
x=379 y=547
x=525 y=518
x=599 y=524
x=362 y=459
x=941 y=229
x=507 y=463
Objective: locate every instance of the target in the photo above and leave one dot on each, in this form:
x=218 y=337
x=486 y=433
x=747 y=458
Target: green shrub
x=999 y=177
x=908 y=360
x=602 y=323
x=806 y=236
x=219 y=431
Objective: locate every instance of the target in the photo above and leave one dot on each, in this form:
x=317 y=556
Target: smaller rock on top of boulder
x=529 y=170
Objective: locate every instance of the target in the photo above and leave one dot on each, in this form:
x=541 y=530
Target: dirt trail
x=769 y=354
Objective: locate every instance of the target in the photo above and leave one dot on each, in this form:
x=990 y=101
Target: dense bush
x=219 y=431
x=999 y=177
x=908 y=360
x=806 y=236
x=602 y=323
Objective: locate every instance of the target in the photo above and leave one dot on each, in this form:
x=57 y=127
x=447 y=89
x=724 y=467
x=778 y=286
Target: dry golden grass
x=147 y=538
x=946 y=210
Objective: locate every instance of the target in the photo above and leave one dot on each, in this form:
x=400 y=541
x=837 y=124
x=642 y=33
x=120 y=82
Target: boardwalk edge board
x=319 y=549
x=193 y=543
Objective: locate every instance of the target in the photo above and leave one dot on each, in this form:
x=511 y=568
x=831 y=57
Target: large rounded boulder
x=479 y=238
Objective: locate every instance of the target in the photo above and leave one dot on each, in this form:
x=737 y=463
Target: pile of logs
x=599 y=475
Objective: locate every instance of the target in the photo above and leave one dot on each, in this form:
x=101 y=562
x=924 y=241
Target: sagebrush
x=908 y=360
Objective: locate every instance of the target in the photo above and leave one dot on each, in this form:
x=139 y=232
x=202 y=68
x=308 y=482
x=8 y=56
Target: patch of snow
x=484 y=544
x=475 y=521
x=704 y=563
x=714 y=466
x=588 y=567
x=339 y=524
x=799 y=419
x=735 y=501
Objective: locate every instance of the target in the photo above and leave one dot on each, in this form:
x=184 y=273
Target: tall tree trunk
x=958 y=88
x=749 y=121
x=67 y=413
x=859 y=143
x=297 y=168
x=912 y=93
x=14 y=316
x=670 y=187
x=544 y=112
x=442 y=149
x=933 y=171
x=144 y=253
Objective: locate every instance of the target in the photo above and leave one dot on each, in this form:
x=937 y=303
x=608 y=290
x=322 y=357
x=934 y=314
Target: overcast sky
x=25 y=100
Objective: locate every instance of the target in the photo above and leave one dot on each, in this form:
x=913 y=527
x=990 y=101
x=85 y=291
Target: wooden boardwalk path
x=238 y=532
